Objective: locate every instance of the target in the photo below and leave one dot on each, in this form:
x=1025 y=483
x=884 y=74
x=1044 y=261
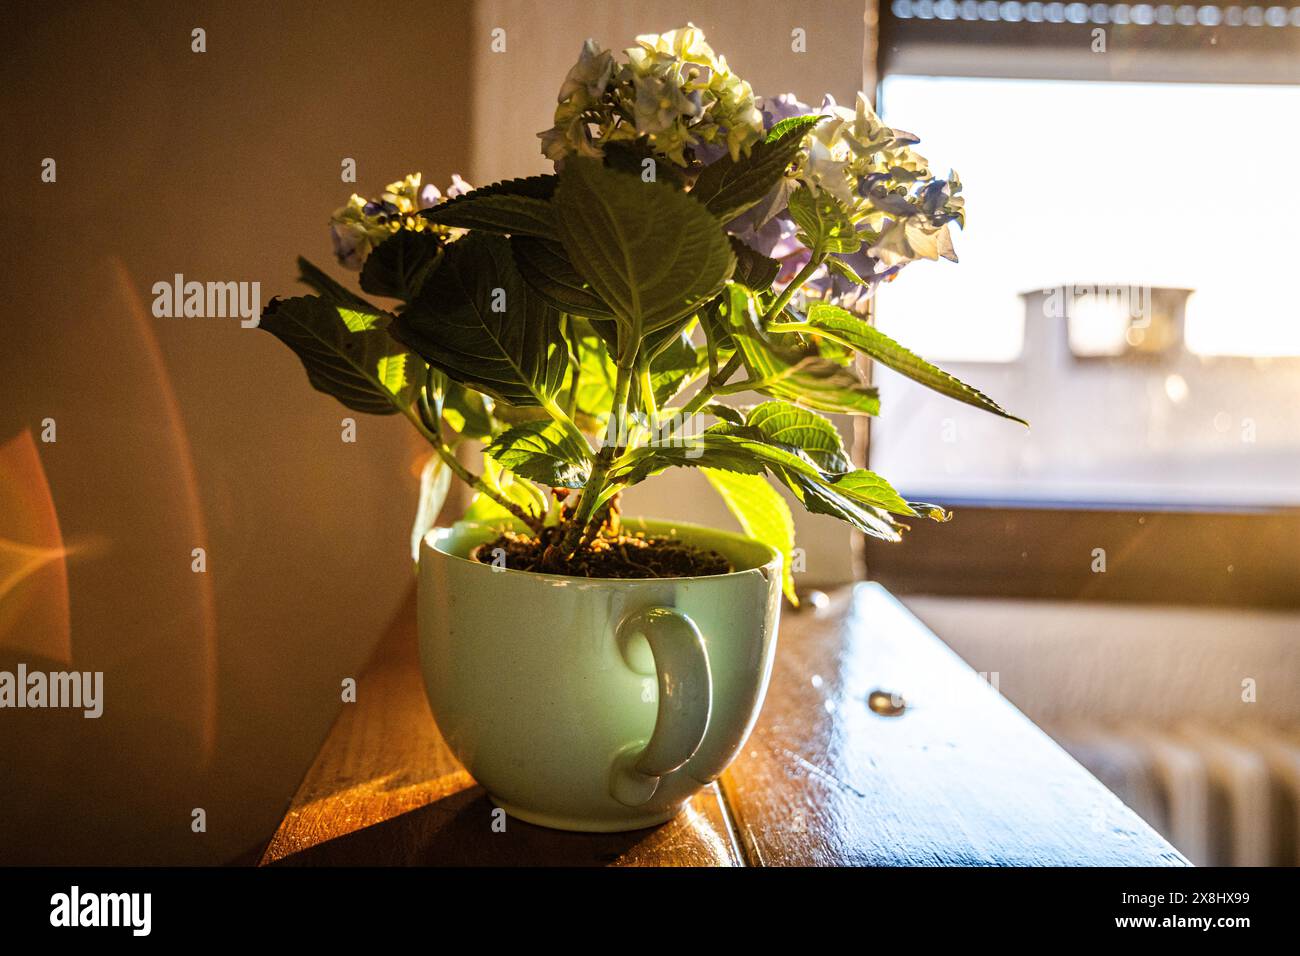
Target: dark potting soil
x=634 y=555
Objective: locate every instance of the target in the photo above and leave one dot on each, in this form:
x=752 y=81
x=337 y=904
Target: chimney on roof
x=1078 y=322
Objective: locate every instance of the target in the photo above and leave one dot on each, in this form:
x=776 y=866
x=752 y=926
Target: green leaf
x=753 y=269
x=705 y=450
x=514 y=206
x=821 y=383
x=863 y=486
x=476 y=321
x=484 y=510
x=544 y=452
x=534 y=187
x=597 y=374
x=724 y=413
x=315 y=278
x=546 y=268
x=760 y=448
x=729 y=187
x=401 y=263
x=793 y=373
x=859 y=496
x=652 y=254
x=630 y=157
x=467 y=412
x=347 y=353
x=820 y=498
x=787 y=424
x=763 y=515
x=843 y=269
x=844 y=327
x=500 y=213
x=824 y=224
x=769 y=441
x=933 y=512
x=835 y=351
x=435 y=482
x=748 y=450
x=716 y=322
x=675 y=367
x=805 y=123
x=869 y=488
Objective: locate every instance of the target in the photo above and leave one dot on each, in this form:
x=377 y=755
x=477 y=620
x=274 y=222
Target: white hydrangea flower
x=673 y=93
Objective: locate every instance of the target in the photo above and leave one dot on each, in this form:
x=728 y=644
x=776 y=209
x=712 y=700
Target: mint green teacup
x=595 y=704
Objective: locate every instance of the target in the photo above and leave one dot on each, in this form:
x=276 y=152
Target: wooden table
x=959 y=777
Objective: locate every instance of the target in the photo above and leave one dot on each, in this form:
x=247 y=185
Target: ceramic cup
x=595 y=704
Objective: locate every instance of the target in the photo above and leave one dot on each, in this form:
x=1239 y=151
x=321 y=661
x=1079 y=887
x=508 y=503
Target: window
x=1126 y=278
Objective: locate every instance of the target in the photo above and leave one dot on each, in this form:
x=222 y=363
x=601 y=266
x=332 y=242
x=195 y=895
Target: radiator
x=1224 y=796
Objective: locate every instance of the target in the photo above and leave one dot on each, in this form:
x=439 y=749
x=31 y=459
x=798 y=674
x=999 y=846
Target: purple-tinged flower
x=430 y=196
x=587 y=79
x=832 y=286
x=380 y=209
x=776 y=239
x=352 y=244
x=782 y=107
x=458 y=187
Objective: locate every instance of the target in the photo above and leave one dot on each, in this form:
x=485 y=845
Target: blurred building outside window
x=1127 y=283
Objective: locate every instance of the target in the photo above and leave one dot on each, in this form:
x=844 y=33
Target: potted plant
x=587 y=327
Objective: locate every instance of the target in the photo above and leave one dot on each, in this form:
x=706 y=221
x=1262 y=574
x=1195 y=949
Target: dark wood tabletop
x=877 y=746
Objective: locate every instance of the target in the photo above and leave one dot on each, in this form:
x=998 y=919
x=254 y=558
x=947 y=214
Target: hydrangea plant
x=695 y=243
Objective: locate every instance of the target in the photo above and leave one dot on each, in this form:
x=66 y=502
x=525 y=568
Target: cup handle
x=685 y=701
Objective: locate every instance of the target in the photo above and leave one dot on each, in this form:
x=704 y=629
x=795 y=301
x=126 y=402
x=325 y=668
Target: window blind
x=1216 y=43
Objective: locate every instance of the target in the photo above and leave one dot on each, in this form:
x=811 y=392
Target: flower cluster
x=674 y=96
x=362 y=224
x=899 y=207
x=672 y=93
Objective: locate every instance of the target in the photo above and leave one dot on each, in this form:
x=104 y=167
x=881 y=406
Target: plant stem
x=716 y=384
x=804 y=274
x=616 y=431
x=552 y=408
x=428 y=426
x=576 y=533
x=711 y=387
x=589 y=533
x=648 y=397
x=591 y=492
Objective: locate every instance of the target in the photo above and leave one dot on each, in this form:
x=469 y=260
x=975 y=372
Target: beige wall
x=182 y=433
